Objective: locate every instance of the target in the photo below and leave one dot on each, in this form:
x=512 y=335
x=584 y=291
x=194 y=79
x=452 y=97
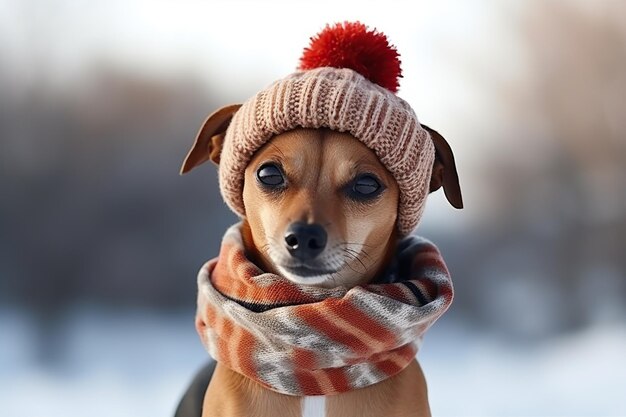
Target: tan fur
x=232 y=395
x=317 y=163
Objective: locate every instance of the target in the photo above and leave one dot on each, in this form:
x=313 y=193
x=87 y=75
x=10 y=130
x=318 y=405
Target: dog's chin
x=307 y=276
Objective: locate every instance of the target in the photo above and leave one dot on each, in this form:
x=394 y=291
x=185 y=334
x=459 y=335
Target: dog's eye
x=365 y=186
x=270 y=174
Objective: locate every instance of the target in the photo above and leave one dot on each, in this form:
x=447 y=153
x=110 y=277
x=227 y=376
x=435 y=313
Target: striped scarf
x=304 y=340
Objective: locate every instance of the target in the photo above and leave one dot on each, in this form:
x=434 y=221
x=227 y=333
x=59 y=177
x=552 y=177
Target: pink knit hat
x=346 y=82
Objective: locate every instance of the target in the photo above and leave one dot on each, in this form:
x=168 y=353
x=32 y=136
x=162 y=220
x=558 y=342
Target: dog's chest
x=314 y=406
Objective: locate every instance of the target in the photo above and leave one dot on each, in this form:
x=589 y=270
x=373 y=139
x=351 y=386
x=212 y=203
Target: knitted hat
x=346 y=82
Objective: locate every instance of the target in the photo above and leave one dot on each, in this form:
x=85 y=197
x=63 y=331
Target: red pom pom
x=352 y=45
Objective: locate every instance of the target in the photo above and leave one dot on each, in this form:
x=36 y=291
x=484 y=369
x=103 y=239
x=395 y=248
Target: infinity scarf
x=304 y=340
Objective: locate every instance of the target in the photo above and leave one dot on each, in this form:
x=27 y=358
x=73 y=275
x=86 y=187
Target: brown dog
x=320 y=210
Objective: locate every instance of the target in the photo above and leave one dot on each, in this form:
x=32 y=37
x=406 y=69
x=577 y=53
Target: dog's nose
x=305 y=241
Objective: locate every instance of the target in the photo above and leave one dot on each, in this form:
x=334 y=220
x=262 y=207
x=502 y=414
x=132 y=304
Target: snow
x=137 y=363
x=581 y=374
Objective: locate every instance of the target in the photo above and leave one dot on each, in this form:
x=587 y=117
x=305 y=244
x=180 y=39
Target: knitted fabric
x=342 y=100
x=303 y=340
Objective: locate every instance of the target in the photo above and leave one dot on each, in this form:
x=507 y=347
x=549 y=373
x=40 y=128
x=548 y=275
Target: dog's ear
x=208 y=144
x=444 y=170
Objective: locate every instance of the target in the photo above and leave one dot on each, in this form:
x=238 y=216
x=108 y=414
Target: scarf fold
x=304 y=340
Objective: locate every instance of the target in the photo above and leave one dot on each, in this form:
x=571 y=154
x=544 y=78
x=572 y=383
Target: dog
x=321 y=210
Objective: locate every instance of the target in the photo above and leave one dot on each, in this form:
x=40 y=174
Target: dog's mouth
x=306 y=271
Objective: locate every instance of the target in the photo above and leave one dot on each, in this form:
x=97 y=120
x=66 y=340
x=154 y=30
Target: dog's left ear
x=210 y=138
x=444 y=170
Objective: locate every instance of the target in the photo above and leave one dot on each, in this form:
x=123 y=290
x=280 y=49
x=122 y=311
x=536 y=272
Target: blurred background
x=101 y=239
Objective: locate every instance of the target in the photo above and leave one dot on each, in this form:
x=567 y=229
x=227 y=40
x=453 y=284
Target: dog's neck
x=262 y=261
x=233 y=395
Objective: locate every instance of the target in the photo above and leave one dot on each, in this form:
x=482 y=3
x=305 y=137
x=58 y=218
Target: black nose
x=305 y=241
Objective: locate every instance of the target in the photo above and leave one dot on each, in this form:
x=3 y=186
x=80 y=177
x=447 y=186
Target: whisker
x=362 y=251
x=353 y=252
x=355 y=257
x=357 y=243
x=350 y=266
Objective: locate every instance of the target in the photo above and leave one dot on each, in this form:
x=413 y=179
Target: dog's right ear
x=210 y=138
x=444 y=170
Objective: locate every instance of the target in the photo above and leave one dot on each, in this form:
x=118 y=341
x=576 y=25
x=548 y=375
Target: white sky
x=448 y=48
x=244 y=45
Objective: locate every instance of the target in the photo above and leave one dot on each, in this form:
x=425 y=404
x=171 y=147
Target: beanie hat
x=346 y=82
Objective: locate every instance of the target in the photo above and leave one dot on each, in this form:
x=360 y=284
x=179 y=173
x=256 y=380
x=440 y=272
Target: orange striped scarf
x=304 y=340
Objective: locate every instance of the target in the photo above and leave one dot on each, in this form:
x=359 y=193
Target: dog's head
x=320 y=207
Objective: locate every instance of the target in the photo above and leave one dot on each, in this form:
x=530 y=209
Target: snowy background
x=137 y=363
x=100 y=239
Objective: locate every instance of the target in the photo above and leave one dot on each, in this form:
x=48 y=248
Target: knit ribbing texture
x=341 y=100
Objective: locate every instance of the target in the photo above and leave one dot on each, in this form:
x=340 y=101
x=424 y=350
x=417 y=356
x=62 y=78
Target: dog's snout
x=305 y=241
